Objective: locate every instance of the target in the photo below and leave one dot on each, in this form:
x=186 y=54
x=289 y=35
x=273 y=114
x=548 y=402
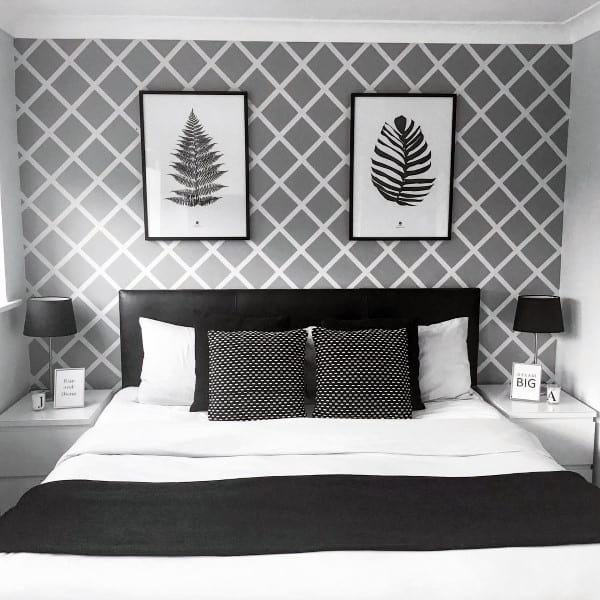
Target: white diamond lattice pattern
x=78 y=128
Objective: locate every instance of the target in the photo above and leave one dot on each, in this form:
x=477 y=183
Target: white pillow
x=169 y=368
x=444 y=370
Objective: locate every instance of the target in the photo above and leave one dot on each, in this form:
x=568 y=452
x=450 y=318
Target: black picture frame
x=144 y=135
x=353 y=152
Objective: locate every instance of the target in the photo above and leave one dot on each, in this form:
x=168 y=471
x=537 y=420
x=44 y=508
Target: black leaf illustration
x=400 y=158
x=197 y=168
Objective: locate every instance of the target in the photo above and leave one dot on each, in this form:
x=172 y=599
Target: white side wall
x=14 y=361
x=578 y=356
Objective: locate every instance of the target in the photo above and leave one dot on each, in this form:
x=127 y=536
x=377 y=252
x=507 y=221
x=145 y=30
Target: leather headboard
x=305 y=307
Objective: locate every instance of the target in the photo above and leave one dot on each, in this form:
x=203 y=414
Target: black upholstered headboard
x=305 y=307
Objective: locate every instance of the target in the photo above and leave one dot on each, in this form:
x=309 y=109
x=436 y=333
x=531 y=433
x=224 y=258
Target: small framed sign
x=526 y=381
x=69 y=388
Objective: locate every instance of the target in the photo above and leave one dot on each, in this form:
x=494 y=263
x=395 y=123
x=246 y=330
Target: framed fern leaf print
x=195 y=165
x=401 y=166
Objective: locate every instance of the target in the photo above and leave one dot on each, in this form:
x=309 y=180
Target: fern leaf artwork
x=197 y=168
x=400 y=160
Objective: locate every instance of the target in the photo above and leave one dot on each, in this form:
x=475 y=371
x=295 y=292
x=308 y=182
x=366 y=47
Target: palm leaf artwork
x=400 y=158
x=197 y=168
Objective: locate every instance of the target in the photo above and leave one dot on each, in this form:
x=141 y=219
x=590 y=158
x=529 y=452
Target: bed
x=450 y=439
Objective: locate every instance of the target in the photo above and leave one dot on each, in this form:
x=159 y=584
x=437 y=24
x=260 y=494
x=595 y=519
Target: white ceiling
x=560 y=21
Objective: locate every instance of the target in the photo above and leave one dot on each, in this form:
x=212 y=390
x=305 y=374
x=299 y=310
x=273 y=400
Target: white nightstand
x=566 y=430
x=31 y=442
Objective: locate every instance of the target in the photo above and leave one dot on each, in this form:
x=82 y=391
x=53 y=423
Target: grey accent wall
x=579 y=347
x=78 y=126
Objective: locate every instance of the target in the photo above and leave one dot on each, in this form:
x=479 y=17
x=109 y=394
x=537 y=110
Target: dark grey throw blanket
x=272 y=515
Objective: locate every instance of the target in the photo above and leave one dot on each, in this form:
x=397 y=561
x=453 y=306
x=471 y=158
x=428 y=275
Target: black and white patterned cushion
x=412 y=331
x=206 y=321
x=362 y=374
x=255 y=375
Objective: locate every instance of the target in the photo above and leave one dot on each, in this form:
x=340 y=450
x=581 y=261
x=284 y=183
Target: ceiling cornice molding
x=584 y=24
x=148 y=27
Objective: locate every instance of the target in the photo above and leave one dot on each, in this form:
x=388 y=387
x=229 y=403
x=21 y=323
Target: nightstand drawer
x=33 y=451
x=569 y=441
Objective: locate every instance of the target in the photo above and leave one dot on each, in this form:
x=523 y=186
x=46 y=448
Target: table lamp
x=538 y=314
x=49 y=317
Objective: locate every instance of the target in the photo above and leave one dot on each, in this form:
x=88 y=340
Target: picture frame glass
x=195 y=165
x=402 y=166
x=69 y=388
x=525 y=382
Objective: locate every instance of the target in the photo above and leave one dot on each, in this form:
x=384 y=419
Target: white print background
x=373 y=215
x=222 y=117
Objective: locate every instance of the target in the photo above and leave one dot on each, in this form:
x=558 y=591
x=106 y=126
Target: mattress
x=464 y=437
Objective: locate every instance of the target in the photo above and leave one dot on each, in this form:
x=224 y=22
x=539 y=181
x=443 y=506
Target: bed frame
x=305 y=307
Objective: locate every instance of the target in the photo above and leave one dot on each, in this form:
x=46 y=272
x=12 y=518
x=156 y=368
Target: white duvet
x=134 y=442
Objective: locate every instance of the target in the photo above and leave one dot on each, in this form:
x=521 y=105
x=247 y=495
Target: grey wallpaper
x=78 y=127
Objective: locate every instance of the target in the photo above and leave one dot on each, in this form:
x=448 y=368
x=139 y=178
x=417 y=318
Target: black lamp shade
x=538 y=314
x=49 y=317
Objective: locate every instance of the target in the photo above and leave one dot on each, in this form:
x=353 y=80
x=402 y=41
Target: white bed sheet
x=124 y=406
x=152 y=443
x=468 y=406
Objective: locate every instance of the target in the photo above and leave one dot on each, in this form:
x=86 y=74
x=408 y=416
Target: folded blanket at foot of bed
x=289 y=514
